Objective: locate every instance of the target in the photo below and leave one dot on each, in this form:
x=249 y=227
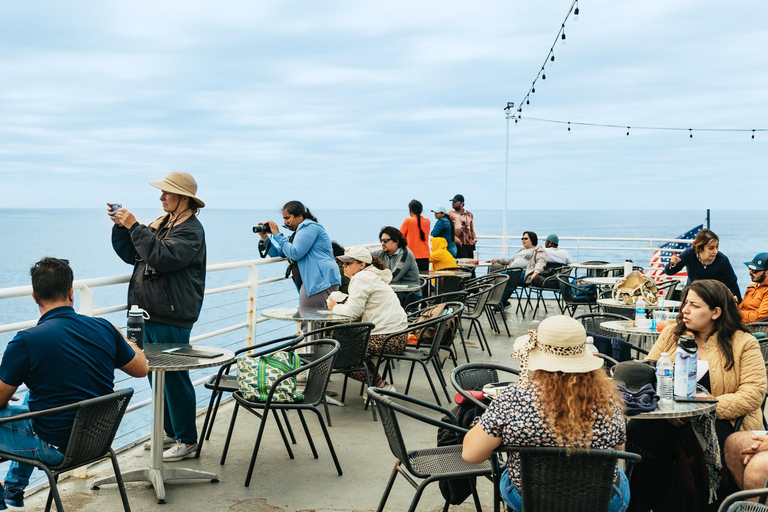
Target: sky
x=366 y=105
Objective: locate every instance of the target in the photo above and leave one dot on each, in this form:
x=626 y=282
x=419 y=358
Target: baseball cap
x=357 y=253
x=758 y=262
x=553 y=239
x=458 y=198
x=439 y=209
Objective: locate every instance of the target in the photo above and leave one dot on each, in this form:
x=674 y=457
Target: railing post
x=253 y=292
x=86 y=308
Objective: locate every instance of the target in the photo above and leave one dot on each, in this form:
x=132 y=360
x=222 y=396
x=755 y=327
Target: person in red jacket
x=754 y=306
x=415 y=229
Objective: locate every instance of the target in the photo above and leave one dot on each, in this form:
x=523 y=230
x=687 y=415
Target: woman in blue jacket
x=312 y=264
x=444 y=229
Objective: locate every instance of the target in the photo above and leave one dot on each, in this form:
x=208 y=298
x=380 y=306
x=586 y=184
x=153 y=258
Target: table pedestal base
x=158 y=477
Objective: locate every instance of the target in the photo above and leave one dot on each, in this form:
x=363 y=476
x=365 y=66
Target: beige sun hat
x=181 y=183
x=558 y=346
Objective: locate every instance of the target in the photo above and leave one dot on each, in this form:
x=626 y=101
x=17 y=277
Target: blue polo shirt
x=64 y=359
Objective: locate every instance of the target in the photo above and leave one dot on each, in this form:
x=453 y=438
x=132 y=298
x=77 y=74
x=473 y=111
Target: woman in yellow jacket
x=731 y=367
x=440 y=258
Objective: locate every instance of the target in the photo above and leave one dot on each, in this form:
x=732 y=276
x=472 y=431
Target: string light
x=690 y=131
x=576 y=12
x=562 y=37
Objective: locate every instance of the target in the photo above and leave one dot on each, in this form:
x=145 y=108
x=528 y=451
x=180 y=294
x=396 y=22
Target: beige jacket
x=741 y=389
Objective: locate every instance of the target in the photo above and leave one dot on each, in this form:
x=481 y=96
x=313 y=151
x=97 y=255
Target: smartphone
x=702 y=399
x=116 y=206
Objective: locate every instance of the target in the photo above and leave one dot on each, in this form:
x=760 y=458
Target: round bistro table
x=159 y=363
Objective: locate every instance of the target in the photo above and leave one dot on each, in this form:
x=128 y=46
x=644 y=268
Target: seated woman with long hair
x=682 y=460
x=563 y=398
x=372 y=300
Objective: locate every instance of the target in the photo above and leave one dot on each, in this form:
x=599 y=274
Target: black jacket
x=168 y=278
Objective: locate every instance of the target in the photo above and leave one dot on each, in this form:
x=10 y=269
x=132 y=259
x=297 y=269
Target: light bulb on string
x=753 y=134
x=576 y=13
x=543 y=75
x=627 y=131
x=515 y=120
x=527 y=101
x=562 y=36
x=552 y=60
x=690 y=131
x=569 y=126
x=533 y=90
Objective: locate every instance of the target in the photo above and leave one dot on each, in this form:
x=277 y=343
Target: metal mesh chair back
x=758 y=327
x=476 y=301
x=553 y=481
x=497 y=291
x=435 y=328
x=323 y=358
x=736 y=501
x=764 y=350
x=353 y=343
x=667 y=288
x=592 y=321
x=416 y=307
x=391 y=426
x=94 y=428
x=447 y=284
x=474 y=376
x=747 y=506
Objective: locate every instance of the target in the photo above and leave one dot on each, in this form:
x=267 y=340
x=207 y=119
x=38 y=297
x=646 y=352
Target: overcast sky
x=369 y=104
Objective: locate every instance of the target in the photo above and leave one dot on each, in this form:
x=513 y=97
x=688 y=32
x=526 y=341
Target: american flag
x=661 y=256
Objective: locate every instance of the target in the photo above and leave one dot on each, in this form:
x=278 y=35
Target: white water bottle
x=664 y=380
x=591 y=348
x=640 y=320
x=628 y=267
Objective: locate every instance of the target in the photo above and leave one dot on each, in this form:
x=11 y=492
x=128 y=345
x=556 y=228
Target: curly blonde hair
x=570 y=400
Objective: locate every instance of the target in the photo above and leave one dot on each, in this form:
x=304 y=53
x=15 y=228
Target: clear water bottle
x=591 y=348
x=640 y=320
x=665 y=380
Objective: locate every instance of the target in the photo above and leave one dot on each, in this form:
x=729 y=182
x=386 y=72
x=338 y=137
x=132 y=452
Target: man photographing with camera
x=168 y=282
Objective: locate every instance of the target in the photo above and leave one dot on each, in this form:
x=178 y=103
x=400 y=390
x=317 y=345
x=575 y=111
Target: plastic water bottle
x=686 y=359
x=640 y=320
x=136 y=326
x=628 y=266
x=591 y=348
x=664 y=381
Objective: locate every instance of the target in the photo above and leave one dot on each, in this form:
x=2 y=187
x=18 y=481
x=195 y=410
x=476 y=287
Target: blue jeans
x=180 y=398
x=19 y=438
x=619 y=500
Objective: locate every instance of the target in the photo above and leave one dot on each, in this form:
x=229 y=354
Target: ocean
x=83 y=237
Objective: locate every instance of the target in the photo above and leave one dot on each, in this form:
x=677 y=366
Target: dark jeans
x=423 y=264
x=465 y=251
x=180 y=398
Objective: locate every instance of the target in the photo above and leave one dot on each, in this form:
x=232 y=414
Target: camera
x=264 y=228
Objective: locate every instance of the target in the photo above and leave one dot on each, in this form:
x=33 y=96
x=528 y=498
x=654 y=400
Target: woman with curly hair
x=563 y=398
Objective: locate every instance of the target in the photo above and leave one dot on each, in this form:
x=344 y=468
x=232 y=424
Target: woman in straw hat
x=168 y=281
x=563 y=398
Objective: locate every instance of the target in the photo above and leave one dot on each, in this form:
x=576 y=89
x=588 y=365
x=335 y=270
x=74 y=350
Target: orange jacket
x=754 y=307
x=410 y=230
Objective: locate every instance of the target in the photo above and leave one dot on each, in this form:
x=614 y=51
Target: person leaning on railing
x=705 y=261
x=563 y=398
x=680 y=468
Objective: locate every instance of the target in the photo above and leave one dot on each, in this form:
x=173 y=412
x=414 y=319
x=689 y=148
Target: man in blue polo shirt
x=64 y=359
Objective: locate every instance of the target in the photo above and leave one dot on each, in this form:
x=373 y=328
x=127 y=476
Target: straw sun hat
x=181 y=183
x=558 y=346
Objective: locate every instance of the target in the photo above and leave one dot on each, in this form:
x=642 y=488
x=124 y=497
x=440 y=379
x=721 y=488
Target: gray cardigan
x=403 y=272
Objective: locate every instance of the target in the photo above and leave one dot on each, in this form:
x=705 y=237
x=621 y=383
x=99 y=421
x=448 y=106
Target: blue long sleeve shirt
x=442 y=229
x=311 y=250
x=719 y=269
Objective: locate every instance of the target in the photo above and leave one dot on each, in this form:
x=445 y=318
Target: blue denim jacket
x=311 y=249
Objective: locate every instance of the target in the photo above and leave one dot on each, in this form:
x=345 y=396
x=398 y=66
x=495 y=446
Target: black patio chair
x=226 y=382
x=429 y=464
x=572 y=296
x=323 y=355
x=476 y=301
x=512 y=288
x=427 y=349
x=550 y=284
x=353 y=345
x=554 y=481
x=414 y=309
x=667 y=289
x=592 y=321
x=758 y=327
x=596 y=272
x=473 y=376
x=494 y=303
x=736 y=502
x=93 y=431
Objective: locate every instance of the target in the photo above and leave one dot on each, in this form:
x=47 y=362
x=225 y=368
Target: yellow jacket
x=741 y=389
x=440 y=257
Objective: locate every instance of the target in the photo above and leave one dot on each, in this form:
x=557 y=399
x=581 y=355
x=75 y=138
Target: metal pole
x=707 y=218
x=509 y=111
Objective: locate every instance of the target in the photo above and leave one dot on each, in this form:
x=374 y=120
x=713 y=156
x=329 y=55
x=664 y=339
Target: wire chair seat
x=444 y=460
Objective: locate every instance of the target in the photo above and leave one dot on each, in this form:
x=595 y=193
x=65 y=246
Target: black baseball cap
x=458 y=198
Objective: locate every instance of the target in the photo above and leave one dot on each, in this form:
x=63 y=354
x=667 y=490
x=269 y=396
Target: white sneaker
x=179 y=451
x=167 y=443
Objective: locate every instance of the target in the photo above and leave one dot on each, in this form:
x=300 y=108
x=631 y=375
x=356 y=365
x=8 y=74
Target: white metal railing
x=644 y=245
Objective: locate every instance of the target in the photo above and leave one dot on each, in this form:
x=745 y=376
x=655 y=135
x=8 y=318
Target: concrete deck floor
x=303 y=484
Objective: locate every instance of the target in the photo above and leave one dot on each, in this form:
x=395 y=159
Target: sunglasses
x=525 y=238
x=385 y=240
